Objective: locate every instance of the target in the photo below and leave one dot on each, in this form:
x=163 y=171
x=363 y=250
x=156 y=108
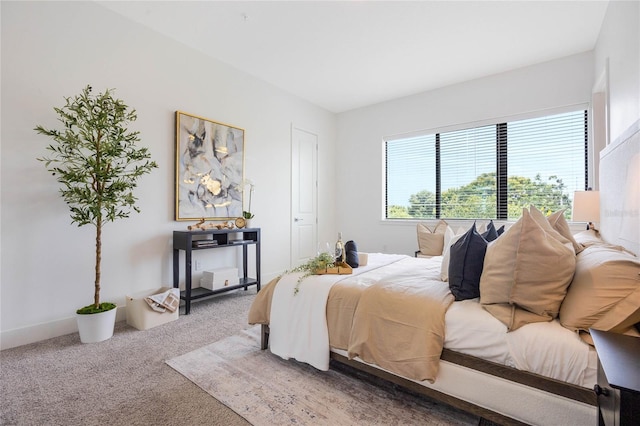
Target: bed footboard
x=556 y=387
x=580 y=395
x=345 y=363
x=568 y=390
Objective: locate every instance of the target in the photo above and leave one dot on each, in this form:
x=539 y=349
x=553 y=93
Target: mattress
x=544 y=348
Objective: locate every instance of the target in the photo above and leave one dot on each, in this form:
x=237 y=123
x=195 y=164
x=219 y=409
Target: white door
x=304 y=195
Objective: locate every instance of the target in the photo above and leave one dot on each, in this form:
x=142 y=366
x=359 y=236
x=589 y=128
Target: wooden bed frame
x=556 y=387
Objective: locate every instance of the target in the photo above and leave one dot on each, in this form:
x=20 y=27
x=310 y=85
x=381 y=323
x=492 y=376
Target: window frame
x=501 y=158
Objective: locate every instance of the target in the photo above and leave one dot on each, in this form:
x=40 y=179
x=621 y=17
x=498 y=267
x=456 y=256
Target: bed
x=517 y=354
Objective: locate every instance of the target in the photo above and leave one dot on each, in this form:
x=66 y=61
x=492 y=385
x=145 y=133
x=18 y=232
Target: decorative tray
x=341 y=268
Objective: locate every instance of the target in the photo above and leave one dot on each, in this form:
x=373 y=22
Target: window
x=408 y=162
x=468 y=156
x=488 y=172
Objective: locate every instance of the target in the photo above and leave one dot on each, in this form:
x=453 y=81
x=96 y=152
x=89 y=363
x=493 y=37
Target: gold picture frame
x=209 y=169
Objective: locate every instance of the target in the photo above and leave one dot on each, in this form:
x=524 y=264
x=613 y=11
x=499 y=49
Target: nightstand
x=618 y=387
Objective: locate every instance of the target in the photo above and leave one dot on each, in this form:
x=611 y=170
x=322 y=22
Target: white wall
x=618 y=49
x=619 y=45
x=51 y=50
x=558 y=83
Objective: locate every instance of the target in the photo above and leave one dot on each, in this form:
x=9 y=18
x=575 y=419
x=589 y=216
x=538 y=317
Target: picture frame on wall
x=209 y=169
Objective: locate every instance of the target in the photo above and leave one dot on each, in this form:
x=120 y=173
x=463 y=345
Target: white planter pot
x=96 y=327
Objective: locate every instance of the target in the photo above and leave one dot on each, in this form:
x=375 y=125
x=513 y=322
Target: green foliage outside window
x=477 y=200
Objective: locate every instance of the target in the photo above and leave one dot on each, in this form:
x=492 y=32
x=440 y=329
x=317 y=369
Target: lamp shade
x=586 y=206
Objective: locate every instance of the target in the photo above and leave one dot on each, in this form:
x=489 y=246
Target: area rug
x=267 y=390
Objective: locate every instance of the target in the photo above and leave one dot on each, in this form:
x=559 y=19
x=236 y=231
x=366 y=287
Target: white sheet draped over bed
x=298 y=322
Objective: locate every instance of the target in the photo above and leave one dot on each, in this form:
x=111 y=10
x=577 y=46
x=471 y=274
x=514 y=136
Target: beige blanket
x=392 y=316
x=401 y=328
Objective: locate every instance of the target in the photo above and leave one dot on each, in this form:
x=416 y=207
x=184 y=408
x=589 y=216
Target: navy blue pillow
x=491 y=233
x=500 y=230
x=351 y=256
x=465 y=264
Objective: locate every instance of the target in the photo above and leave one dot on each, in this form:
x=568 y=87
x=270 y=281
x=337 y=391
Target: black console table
x=215 y=239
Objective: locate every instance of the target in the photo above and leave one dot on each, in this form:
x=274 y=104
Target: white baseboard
x=44 y=331
x=49 y=330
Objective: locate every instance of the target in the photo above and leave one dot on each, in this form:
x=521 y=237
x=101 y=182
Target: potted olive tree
x=95 y=159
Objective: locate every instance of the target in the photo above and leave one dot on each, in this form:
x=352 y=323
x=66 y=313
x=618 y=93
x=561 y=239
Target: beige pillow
x=559 y=223
x=526 y=273
x=605 y=291
x=431 y=242
x=541 y=219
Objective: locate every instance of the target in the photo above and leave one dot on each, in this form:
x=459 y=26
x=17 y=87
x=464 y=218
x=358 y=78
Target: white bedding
x=299 y=330
x=545 y=348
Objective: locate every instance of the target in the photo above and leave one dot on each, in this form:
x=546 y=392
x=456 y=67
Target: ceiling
x=343 y=55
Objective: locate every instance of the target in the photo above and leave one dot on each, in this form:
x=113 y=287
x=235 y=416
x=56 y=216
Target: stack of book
x=204 y=243
x=240 y=241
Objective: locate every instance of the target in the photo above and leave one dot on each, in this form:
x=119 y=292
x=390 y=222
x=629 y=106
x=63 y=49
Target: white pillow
x=444 y=269
x=448 y=235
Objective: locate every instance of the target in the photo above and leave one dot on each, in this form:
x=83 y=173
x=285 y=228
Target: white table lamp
x=586 y=207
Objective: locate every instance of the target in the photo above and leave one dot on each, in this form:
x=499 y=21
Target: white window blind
x=549 y=153
x=410 y=173
x=489 y=171
x=468 y=165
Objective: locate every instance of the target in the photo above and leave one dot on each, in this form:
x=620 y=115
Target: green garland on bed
x=320 y=262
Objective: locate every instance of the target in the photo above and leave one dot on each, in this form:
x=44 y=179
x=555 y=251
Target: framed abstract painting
x=209 y=169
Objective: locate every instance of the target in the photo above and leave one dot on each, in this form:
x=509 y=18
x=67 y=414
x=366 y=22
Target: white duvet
x=545 y=348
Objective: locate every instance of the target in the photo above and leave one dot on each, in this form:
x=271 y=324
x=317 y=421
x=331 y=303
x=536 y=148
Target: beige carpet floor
x=122 y=381
x=126 y=381
x=267 y=390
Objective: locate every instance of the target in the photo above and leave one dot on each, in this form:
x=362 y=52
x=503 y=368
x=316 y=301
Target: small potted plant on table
x=246 y=214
